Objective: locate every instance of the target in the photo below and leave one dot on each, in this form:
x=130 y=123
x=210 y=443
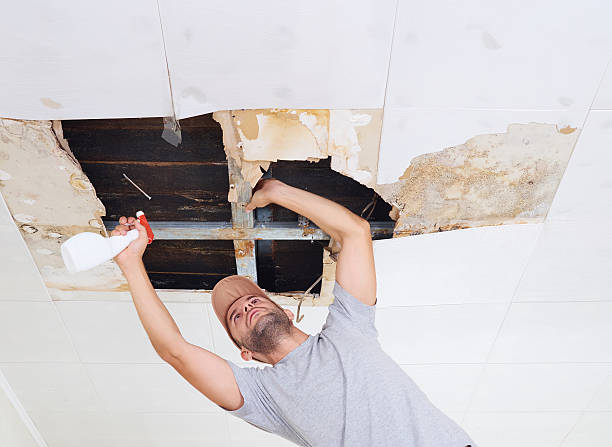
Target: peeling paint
x=489 y=180
x=43 y=169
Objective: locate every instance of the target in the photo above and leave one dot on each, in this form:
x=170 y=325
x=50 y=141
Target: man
x=336 y=388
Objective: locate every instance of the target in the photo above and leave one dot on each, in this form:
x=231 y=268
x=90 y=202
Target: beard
x=267 y=333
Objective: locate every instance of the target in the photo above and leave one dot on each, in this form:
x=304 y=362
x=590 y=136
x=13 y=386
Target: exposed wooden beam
x=244 y=249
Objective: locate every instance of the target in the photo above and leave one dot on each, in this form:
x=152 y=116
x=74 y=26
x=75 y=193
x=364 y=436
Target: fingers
x=125 y=224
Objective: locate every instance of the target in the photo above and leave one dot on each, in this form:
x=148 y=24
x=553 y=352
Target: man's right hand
x=133 y=252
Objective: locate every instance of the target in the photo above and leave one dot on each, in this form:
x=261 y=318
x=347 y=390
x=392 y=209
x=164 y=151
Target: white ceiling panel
x=538 y=387
x=555 y=332
x=602 y=401
x=52 y=387
x=593 y=430
x=33 y=332
x=449 y=387
x=317 y=54
x=439 y=334
x=185 y=430
x=572 y=261
x=463 y=266
x=76 y=60
x=497 y=54
x=519 y=429
x=91 y=429
x=20 y=279
x=147 y=388
x=19 y=276
x=409 y=132
x=603 y=100
x=585 y=192
x=111 y=332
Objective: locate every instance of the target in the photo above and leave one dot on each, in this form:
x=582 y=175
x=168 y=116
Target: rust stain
x=79 y=182
x=567 y=130
x=245 y=249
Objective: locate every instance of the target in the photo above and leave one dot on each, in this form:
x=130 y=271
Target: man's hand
x=263 y=193
x=133 y=252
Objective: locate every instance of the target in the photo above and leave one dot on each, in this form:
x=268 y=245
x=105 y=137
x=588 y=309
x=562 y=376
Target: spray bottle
x=84 y=251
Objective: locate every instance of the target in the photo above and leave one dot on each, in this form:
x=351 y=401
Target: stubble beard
x=268 y=332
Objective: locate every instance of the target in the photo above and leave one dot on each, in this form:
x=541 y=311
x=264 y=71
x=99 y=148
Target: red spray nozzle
x=143 y=221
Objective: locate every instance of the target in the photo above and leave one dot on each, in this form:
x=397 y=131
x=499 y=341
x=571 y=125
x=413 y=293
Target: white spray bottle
x=84 y=251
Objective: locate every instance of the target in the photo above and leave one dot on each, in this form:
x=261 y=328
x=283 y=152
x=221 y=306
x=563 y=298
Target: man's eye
x=255 y=300
x=236 y=316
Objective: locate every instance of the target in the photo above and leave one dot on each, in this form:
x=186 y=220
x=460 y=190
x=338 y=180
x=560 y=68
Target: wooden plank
x=187 y=206
x=145 y=145
x=190 y=257
x=244 y=249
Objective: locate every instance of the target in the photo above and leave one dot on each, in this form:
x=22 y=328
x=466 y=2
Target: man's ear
x=246 y=355
x=289 y=314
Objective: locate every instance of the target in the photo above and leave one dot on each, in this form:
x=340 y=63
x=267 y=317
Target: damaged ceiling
x=466 y=120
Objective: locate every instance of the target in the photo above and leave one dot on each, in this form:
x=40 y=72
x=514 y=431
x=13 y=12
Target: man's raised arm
x=206 y=371
x=355 y=270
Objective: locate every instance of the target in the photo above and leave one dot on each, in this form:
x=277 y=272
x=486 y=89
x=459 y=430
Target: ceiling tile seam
x=78 y=356
x=584 y=121
x=479 y=381
x=208 y=309
x=588 y=404
x=384 y=105
x=482 y=109
x=161 y=27
x=21 y=411
x=24 y=246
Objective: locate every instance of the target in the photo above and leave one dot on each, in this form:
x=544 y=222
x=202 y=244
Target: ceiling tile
x=111 y=332
x=538 y=387
x=585 y=191
x=495 y=50
x=314 y=318
x=33 y=332
x=99 y=60
x=52 y=386
x=147 y=388
x=461 y=266
x=14 y=430
x=536 y=429
x=439 y=334
x=91 y=429
x=410 y=132
x=555 y=332
x=449 y=387
x=592 y=430
x=602 y=401
x=20 y=279
x=603 y=100
x=185 y=430
x=571 y=262
x=316 y=54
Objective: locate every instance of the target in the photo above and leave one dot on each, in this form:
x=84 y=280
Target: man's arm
x=355 y=270
x=206 y=371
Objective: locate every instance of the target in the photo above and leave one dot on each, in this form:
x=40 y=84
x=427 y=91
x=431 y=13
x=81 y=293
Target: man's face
x=258 y=324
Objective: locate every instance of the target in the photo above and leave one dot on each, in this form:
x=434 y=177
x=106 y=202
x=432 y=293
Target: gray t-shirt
x=339 y=388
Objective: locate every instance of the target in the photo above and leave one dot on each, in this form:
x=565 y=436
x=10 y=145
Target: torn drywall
x=51 y=199
x=490 y=180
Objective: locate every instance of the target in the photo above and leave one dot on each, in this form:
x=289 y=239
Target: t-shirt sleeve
x=350 y=313
x=258 y=408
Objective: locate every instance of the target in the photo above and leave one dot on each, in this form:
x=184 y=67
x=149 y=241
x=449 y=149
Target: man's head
x=255 y=323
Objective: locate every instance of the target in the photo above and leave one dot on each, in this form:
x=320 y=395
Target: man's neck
x=285 y=346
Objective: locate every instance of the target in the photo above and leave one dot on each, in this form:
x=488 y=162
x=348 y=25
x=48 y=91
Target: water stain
x=48 y=102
